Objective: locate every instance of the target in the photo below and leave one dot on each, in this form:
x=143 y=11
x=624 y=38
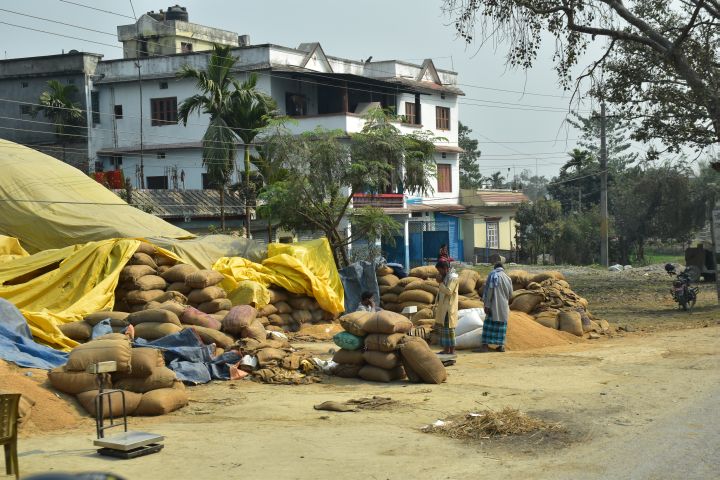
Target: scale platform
x=129 y=444
x=447 y=359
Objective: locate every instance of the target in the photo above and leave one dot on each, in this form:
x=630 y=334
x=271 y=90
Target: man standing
x=496 y=297
x=446 y=307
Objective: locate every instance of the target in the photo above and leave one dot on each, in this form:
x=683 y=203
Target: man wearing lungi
x=446 y=308
x=496 y=297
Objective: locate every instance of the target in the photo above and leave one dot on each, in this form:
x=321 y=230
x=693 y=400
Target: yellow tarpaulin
x=49 y=204
x=10 y=249
x=57 y=286
x=304 y=268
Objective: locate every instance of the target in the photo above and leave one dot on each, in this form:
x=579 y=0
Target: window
x=206 y=183
x=410 y=116
x=24 y=84
x=186 y=47
x=116 y=161
x=118 y=112
x=444 y=178
x=163 y=85
x=25 y=110
x=163 y=111
x=160 y=155
x=143 y=48
x=492 y=231
x=295 y=104
x=157 y=183
x=95 y=107
x=442 y=118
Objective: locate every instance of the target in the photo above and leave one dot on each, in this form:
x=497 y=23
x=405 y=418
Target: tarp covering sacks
x=58 y=286
x=10 y=249
x=49 y=204
x=305 y=268
x=204 y=251
x=17 y=344
x=357 y=278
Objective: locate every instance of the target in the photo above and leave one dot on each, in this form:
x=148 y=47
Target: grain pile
x=375 y=346
x=289 y=312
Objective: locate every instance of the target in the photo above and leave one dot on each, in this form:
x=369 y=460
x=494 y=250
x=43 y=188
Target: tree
x=617 y=135
x=660 y=67
x=324 y=172
x=470 y=176
x=497 y=180
x=538 y=227
x=252 y=111
x=534 y=186
x=57 y=104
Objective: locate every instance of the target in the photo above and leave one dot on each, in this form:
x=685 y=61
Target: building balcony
x=379 y=200
x=346 y=122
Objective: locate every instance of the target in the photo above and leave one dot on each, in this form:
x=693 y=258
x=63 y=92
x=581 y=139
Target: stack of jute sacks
x=548 y=297
x=375 y=346
x=140 y=280
x=288 y=311
x=150 y=388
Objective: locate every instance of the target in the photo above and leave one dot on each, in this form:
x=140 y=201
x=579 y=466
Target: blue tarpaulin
x=17 y=344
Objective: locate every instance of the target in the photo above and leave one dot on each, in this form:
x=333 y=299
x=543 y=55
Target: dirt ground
x=635 y=405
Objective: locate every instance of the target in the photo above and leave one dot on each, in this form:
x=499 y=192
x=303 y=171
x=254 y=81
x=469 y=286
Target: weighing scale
x=121 y=445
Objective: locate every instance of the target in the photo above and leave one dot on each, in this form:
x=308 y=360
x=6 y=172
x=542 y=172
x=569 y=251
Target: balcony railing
x=379 y=200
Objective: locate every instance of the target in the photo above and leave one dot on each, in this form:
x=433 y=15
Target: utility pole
x=603 y=190
x=137 y=64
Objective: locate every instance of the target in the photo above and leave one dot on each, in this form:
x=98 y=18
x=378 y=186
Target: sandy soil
x=607 y=393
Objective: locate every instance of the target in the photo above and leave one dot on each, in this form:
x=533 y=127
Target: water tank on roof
x=177 y=13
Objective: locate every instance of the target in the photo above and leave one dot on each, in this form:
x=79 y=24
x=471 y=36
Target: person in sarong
x=496 y=297
x=446 y=307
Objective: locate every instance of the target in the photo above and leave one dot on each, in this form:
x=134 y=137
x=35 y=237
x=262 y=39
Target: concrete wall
x=506 y=227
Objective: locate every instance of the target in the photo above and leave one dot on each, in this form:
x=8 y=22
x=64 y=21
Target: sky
x=517 y=116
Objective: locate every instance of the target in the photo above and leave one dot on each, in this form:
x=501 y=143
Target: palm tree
x=57 y=105
x=252 y=113
x=219 y=147
x=496 y=180
x=578 y=160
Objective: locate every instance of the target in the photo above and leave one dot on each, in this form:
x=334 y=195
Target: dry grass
x=491 y=423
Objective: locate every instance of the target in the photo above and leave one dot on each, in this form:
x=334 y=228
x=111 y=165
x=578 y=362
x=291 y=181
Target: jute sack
x=117 y=319
x=178 y=273
x=102 y=350
x=150 y=282
x=154 y=316
x=348 y=341
x=343 y=370
x=145 y=360
x=548 y=319
x=412 y=376
x=216 y=305
x=171 y=306
x=318 y=316
x=283 y=307
x=526 y=300
x=153 y=331
x=163 y=400
x=389 y=298
x=430 y=286
x=278 y=295
x=161 y=377
x=384 y=270
x=386 y=289
x=162 y=269
x=386 y=360
x=79 y=331
x=181 y=287
x=146 y=248
x=387 y=323
x=205 y=295
x=204 y=278
x=302 y=316
x=550 y=274
x=424 y=314
x=349 y=357
x=277 y=320
x=134 y=272
x=376 y=374
x=422 y=360
x=383 y=343
x=254 y=330
x=467 y=303
x=72 y=382
x=427 y=271
x=303 y=303
x=355 y=322
x=210 y=335
x=163 y=261
x=87 y=400
x=389 y=280
x=238 y=318
x=467 y=281
x=172 y=297
x=268 y=310
x=419 y=296
x=392 y=307
x=137 y=308
x=570 y=322
x=269 y=355
x=140 y=297
x=397 y=289
x=520 y=279
x=264 y=320
x=193 y=316
x=143 y=259
x=407 y=281
x=420 y=306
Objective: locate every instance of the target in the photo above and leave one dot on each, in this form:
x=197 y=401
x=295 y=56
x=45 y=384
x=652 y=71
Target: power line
x=96 y=9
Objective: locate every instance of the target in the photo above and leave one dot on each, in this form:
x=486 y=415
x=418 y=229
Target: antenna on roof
x=368 y=59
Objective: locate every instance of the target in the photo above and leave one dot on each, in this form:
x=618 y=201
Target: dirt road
x=642 y=406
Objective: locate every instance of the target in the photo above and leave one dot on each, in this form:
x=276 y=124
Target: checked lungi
x=493 y=332
x=447 y=334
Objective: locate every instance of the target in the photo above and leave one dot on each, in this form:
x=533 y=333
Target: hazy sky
x=515 y=131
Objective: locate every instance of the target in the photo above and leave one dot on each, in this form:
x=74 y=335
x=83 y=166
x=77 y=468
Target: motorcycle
x=682 y=292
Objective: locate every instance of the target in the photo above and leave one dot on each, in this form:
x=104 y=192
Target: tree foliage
x=58 y=104
x=660 y=67
x=538 y=227
x=535 y=187
x=470 y=176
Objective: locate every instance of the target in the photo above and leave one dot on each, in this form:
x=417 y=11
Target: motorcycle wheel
x=691 y=302
x=683 y=304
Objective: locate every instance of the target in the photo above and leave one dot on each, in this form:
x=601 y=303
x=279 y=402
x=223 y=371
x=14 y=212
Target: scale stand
x=121 y=445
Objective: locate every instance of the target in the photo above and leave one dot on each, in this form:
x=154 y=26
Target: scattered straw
x=490 y=423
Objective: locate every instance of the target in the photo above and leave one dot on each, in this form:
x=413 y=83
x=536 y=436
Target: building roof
x=492 y=198
x=424 y=207
x=185 y=203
